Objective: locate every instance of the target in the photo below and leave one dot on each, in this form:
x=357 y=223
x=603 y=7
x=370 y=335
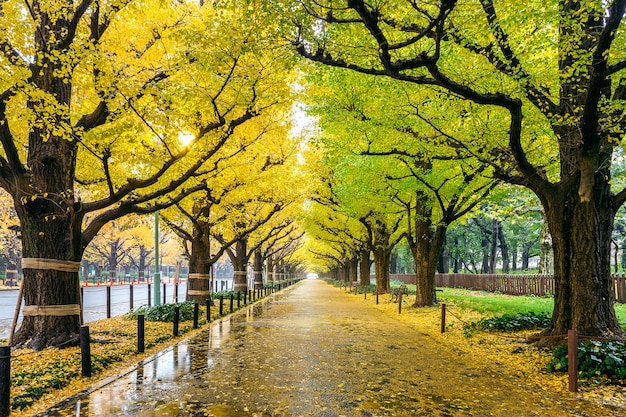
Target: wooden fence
x=539 y=285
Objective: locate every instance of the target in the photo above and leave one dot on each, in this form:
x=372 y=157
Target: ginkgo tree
x=94 y=99
x=437 y=182
x=558 y=63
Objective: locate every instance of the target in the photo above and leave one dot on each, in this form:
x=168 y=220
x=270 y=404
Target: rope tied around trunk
x=51 y=264
x=198 y=292
x=52 y=310
x=199 y=276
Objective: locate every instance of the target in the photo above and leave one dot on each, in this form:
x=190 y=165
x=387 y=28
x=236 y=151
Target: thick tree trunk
x=581 y=236
x=426 y=250
x=381 y=265
x=364 y=267
x=239 y=259
x=353 y=265
x=51 y=296
x=199 y=280
x=258 y=269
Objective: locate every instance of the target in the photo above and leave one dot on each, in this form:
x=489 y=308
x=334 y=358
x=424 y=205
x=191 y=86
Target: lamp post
x=157 y=270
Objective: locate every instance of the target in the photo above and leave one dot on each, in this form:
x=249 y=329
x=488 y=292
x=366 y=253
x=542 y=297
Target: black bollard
x=221 y=304
x=232 y=298
x=245 y=296
x=85 y=351
x=208 y=310
x=176 y=320
x=176 y=291
x=196 y=313
x=108 y=301
x=164 y=296
x=149 y=294
x=5 y=381
x=141 y=333
x=238 y=299
x=130 y=289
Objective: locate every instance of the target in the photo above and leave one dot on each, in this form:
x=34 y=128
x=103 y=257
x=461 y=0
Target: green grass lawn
x=498 y=304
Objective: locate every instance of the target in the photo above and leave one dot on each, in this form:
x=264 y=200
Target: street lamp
x=157 y=270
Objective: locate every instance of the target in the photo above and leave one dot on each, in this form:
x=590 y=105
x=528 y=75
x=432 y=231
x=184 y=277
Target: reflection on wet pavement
x=311 y=350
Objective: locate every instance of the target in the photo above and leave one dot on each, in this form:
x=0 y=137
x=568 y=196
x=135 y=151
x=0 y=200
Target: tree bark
x=581 y=231
x=493 y=252
x=426 y=247
x=546 y=254
x=239 y=258
x=381 y=265
x=258 y=269
x=364 y=267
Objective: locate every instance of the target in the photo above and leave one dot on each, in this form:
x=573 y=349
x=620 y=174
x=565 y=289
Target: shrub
x=163 y=312
x=594 y=359
x=510 y=322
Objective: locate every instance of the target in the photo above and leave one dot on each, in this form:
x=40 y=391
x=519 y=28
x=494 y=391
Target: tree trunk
x=493 y=252
x=258 y=269
x=271 y=277
x=353 y=265
x=43 y=197
x=426 y=249
x=393 y=263
x=55 y=289
x=546 y=254
x=364 y=267
x=581 y=236
x=484 y=269
x=504 y=250
x=239 y=259
x=381 y=265
x=199 y=280
x=514 y=257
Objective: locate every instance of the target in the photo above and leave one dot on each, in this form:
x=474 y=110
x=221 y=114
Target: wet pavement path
x=313 y=350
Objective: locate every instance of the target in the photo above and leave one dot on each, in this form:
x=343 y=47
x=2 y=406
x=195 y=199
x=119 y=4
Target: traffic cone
x=86 y=283
x=98 y=283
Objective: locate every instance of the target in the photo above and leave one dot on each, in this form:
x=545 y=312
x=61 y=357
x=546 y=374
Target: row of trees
x=450 y=98
x=112 y=110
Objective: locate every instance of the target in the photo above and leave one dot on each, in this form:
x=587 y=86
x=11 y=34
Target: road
x=94 y=301
x=313 y=350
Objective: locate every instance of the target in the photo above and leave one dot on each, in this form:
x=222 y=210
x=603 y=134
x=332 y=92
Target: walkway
x=313 y=350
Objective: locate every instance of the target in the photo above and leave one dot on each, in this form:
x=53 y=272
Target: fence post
x=245 y=298
x=196 y=313
x=164 y=296
x=572 y=360
x=376 y=295
x=208 y=310
x=221 y=304
x=5 y=381
x=443 y=318
x=232 y=298
x=141 y=333
x=365 y=293
x=130 y=289
x=149 y=294
x=108 y=301
x=176 y=319
x=400 y=302
x=85 y=351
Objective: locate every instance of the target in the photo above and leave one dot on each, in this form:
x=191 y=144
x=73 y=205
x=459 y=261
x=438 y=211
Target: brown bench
x=401 y=291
